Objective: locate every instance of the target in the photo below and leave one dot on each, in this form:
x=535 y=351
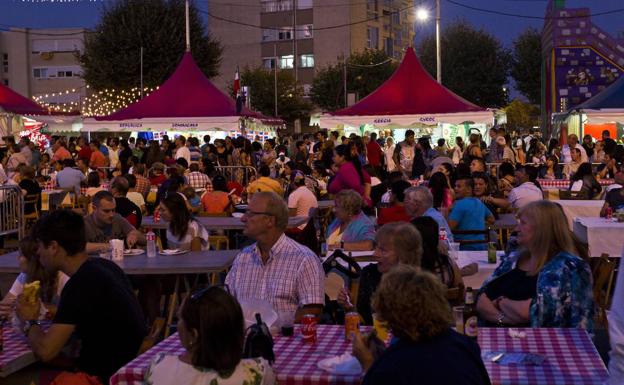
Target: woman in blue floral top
x=544 y=283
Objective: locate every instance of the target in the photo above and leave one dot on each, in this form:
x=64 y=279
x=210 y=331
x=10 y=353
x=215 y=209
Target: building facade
x=268 y=33
x=39 y=62
x=579 y=60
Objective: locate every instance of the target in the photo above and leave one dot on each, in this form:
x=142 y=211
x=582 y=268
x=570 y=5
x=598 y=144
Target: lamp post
x=422 y=15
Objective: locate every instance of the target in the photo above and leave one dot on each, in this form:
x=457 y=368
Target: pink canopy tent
x=411 y=96
x=13 y=106
x=13 y=103
x=187 y=101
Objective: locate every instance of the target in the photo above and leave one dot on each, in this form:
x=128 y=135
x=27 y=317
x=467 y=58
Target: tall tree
x=290 y=102
x=366 y=71
x=526 y=64
x=522 y=115
x=475 y=65
x=111 y=58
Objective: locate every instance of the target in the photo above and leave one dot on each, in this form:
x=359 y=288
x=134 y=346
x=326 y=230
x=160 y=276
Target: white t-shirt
x=524 y=194
x=195 y=229
x=183 y=152
x=303 y=200
x=136 y=198
x=18 y=287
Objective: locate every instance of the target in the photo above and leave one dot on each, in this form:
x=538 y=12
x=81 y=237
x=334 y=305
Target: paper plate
x=345 y=365
x=133 y=251
x=172 y=252
x=252 y=306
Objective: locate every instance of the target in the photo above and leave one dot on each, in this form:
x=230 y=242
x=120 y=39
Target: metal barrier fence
x=240 y=174
x=11 y=211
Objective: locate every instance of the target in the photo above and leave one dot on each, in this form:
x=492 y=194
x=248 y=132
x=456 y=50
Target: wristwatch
x=500 y=319
x=29 y=324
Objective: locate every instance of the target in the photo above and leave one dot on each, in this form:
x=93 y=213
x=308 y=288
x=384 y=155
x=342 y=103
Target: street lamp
x=422 y=15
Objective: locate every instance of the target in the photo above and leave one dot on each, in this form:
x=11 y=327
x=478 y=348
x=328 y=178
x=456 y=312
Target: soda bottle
x=151 y=243
x=470 y=315
x=492 y=252
x=156 y=215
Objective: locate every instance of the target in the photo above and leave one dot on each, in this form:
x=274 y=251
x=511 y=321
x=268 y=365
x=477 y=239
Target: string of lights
x=98 y=103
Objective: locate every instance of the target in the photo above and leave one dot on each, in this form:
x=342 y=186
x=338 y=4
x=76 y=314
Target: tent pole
x=275 y=76
x=188 y=28
x=141 y=72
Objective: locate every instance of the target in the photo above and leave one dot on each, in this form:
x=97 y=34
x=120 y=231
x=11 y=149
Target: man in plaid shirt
x=195 y=178
x=142 y=183
x=276 y=268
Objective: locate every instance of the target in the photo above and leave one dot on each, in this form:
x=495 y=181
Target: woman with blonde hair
x=396 y=243
x=544 y=283
x=424 y=350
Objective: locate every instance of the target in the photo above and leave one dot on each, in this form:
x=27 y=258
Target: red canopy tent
x=410 y=97
x=12 y=102
x=185 y=101
x=13 y=106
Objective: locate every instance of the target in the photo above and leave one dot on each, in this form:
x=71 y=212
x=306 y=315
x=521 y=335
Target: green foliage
x=522 y=115
x=366 y=71
x=474 y=63
x=290 y=102
x=111 y=57
x=526 y=64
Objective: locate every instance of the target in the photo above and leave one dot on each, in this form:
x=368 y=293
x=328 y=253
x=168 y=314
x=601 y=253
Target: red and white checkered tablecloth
x=571 y=357
x=565 y=183
x=295 y=361
x=15 y=353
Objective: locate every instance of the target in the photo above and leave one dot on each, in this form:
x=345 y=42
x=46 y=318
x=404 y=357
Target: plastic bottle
x=151 y=244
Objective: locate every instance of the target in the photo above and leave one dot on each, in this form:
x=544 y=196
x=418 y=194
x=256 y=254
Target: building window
x=5 y=62
x=396 y=18
x=306 y=61
x=304 y=4
x=285 y=33
x=40 y=73
x=269 y=34
x=372 y=37
x=372 y=5
x=286 y=61
x=268 y=63
x=389 y=47
x=305 y=31
x=277 y=5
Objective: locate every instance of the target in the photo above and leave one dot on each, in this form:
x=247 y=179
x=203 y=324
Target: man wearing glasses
x=276 y=268
x=105 y=224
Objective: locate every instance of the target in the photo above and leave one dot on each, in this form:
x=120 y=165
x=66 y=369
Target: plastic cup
x=458 y=317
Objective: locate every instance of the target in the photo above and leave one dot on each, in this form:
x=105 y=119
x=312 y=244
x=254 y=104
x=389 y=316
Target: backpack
x=259 y=342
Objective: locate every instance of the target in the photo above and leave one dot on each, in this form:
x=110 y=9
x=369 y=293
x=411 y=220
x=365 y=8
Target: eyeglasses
x=250 y=213
x=199 y=293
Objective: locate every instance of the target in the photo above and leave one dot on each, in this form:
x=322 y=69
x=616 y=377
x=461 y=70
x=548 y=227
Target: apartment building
x=269 y=33
x=38 y=62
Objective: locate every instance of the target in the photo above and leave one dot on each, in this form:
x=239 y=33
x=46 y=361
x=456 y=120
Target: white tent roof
x=224 y=123
x=605 y=115
x=483 y=117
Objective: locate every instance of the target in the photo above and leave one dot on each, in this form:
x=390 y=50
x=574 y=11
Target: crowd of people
x=405 y=202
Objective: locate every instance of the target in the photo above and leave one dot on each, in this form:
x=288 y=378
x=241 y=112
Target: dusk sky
x=85 y=13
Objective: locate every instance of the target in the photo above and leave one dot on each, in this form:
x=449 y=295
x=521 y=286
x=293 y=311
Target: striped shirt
x=292 y=276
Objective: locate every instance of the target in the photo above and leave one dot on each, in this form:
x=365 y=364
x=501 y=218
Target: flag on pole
x=236 y=87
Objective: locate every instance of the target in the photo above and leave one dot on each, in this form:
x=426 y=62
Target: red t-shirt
x=85 y=153
x=392 y=214
x=373 y=153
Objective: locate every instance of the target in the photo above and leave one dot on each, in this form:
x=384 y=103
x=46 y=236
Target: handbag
x=259 y=342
